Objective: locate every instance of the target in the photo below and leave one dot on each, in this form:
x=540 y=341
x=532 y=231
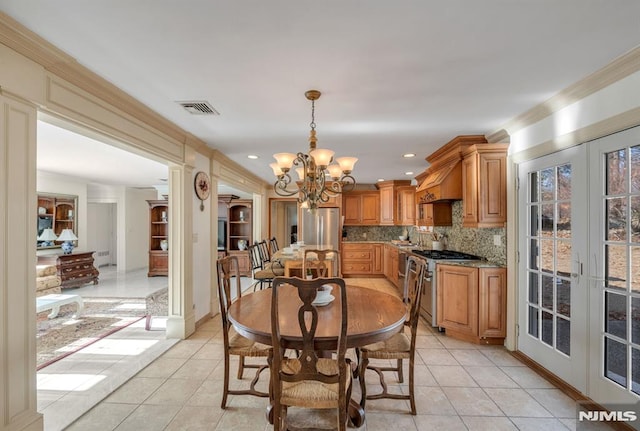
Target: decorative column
x=181 y=319
x=18 y=201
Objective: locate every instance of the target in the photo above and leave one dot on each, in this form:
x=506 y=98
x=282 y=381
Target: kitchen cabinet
x=362 y=259
x=435 y=214
x=361 y=208
x=484 y=186
x=397 y=203
x=158 y=238
x=391 y=263
x=471 y=303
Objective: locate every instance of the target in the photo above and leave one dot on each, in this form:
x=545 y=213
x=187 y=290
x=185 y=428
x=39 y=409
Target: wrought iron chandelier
x=313 y=187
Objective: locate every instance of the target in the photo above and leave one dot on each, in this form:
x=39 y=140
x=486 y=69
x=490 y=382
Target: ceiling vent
x=199 y=107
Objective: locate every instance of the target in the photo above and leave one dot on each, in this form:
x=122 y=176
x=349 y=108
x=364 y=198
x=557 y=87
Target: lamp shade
x=322 y=156
x=47 y=235
x=347 y=163
x=334 y=170
x=284 y=160
x=276 y=169
x=67 y=235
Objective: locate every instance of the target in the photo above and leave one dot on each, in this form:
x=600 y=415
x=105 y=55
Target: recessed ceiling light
x=252 y=156
x=408 y=155
x=408 y=173
x=380 y=179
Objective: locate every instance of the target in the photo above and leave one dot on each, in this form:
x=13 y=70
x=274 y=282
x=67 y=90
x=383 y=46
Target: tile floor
x=460 y=386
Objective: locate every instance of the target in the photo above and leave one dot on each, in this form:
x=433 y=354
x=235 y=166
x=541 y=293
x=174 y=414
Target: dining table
x=290 y=258
x=372 y=316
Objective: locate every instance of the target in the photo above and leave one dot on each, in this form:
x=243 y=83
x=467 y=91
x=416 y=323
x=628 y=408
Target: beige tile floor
x=459 y=386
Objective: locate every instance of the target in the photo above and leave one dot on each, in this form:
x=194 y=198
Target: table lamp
x=68 y=237
x=48 y=236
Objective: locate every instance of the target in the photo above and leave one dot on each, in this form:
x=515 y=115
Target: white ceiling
x=397 y=76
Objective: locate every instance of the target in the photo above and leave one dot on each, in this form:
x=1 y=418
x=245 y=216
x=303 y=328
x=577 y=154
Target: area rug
x=66 y=334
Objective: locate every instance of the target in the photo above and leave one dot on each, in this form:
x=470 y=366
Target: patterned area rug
x=66 y=334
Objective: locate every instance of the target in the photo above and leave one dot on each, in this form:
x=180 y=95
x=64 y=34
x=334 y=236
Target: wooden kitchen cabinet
x=484 y=186
x=362 y=259
x=435 y=214
x=361 y=208
x=390 y=263
x=397 y=203
x=472 y=303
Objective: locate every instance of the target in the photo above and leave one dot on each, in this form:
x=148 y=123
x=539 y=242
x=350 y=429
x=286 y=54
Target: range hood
x=441 y=184
x=442 y=181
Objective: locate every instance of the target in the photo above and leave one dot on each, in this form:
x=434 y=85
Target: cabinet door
x=386 y=261
x=387 y=206
x=492 y=313
x=406 y=206
x=370 y=209
x=492 y=205
x=377 y=265
x=469 y=190
x=351 y=209
x=457 y=295
x=394 y=266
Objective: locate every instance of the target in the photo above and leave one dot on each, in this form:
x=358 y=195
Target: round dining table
x=372 y=316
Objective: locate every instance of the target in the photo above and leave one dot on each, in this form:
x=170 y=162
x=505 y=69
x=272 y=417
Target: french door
x=614 y=264
x=579 y=270
x=552 y=303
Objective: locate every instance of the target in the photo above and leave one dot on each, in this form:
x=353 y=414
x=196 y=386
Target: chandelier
x=318 y=178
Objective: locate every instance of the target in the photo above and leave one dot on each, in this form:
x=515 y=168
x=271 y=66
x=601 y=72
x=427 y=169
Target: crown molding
x=25 y=42
x=618 y=69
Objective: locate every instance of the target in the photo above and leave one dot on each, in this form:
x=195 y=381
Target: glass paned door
x=552 y=310
x=615 y=270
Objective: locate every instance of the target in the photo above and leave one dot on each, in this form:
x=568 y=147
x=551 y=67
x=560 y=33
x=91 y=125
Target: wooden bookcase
x=57 y=212
x=240 y=228
x=158 y=232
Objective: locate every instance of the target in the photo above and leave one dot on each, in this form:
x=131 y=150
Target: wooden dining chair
x=400 y=346
x=317 y=261
x=234 y=343
x=309 y=380
x=268 y=262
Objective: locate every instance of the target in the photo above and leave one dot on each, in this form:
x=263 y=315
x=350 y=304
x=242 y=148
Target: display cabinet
x=158 y=238
x=56 y=212
x=240 y=232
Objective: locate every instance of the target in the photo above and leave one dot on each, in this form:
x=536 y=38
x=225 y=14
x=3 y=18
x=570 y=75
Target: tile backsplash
x=479 y=242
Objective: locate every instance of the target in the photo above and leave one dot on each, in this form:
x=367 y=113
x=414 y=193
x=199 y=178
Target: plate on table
x=323 y=301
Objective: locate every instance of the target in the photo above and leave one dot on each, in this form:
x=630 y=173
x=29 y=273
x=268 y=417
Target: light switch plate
x=497 y=240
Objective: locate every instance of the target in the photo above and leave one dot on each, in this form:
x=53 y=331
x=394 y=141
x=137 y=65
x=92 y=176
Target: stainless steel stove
x=428 y=304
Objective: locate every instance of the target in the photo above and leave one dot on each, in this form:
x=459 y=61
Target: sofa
x=47 y=280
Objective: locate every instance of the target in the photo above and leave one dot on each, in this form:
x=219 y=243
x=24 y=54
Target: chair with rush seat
x=400 y=346
x=234 y=343
x=263 y=277
x=309 y=380
x=321 y=263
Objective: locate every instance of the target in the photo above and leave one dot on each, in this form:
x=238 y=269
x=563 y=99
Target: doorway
x=283 y=214
x=579 y=266
x=101 y=217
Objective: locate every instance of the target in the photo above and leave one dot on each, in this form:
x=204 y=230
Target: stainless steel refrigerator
x=321 y=227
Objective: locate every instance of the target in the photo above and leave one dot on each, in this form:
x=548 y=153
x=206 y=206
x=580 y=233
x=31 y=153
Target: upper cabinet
x=397 y=203
x=484 y=185
x=361 y=208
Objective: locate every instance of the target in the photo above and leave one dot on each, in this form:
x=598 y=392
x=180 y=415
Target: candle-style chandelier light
x=313 y=187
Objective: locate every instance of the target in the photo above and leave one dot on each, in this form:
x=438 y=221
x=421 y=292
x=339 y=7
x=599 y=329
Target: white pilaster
x=181 y=319
x=17 y=266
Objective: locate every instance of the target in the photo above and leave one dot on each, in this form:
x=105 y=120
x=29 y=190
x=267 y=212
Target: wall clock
x=202 y=185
